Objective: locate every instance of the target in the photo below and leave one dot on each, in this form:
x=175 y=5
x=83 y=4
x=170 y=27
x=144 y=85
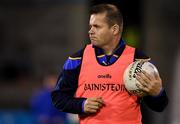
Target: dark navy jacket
x=63 y=94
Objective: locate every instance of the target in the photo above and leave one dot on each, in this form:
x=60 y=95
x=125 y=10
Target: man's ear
x=116 y=29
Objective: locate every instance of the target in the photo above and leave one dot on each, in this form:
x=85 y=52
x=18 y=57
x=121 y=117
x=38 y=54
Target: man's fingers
x=142 y=80
x=91 y=110
x=147 y=75
x=97 y=100
x=100 y=101
x=95 y=103
x=142 y=88
x=92 y=105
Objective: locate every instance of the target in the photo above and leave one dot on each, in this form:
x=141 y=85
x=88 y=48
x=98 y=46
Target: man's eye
x=96 y=26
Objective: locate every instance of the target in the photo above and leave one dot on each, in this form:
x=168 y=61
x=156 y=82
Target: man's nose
x=91 y=31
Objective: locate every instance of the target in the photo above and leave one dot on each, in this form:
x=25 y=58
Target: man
x=41 y=105
x=94 y=75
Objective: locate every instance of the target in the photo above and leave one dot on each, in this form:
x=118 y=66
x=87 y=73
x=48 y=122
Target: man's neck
x=109 y=49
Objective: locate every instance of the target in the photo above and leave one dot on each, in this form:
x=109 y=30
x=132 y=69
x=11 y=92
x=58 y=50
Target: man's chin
x=94 y=43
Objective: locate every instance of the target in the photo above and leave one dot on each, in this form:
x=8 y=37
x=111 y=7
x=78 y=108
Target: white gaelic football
x=130 y=73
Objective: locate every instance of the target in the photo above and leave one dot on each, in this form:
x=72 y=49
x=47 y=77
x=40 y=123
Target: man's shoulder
x=140 y=55
x=74 y=61
x=77 y=55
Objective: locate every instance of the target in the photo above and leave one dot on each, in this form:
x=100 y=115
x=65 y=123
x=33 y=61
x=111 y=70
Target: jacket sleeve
x=157 y=103
x=63 y=96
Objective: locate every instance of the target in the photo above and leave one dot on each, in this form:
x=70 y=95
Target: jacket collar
x=117 y=51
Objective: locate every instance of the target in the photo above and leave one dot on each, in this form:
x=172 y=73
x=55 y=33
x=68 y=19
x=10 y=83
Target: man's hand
x=92 y=105
x=150 y=83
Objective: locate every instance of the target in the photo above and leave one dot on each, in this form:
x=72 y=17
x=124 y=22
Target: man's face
x=100 y=33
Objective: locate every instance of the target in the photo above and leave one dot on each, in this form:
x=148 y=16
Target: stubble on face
x=99 y=32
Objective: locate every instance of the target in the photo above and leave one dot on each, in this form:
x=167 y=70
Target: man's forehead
x=98 y=17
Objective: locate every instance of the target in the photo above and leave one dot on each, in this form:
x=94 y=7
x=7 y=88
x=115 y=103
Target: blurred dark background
x=37 y=36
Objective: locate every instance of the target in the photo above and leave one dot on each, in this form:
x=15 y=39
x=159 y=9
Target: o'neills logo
x=104 y=76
